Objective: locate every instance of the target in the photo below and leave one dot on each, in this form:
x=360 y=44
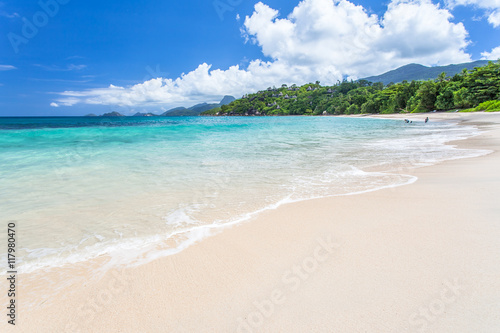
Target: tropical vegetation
x=477 y=89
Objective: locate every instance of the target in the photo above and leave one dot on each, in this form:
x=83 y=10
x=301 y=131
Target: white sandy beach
x=417 y=258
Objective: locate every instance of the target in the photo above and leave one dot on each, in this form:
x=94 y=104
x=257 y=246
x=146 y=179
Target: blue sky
x=100 y=56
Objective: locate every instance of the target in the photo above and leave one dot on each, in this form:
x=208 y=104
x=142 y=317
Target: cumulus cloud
x=342 y=39
x=203 y=84
x=322 y=40
x=54 y=105
x=493 y=55
x=491 y=7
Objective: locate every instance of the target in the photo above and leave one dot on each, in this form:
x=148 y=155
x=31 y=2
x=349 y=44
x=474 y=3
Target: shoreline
x=195 y=234
x=191 y=234
x=229 y=273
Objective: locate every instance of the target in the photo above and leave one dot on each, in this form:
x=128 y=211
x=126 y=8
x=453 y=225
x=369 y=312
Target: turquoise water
x=138 y=188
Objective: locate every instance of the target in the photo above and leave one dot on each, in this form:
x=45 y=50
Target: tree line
x=466 y=90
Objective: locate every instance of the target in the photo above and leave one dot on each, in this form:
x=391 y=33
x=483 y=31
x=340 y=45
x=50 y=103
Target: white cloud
x=494 y=18
x=200 y=85
x=491 y=7
x=493 y=55
x=73 y=67
x=67 y=68
x=55 y=105
x=322 y=40
x=342 y=38
x=6 y=67
x=7 y=15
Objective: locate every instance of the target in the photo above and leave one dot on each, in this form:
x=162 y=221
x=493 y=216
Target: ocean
x=133 y=189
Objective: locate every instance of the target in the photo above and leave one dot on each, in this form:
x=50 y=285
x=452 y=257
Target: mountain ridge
x=419 y=72
x=195 y=110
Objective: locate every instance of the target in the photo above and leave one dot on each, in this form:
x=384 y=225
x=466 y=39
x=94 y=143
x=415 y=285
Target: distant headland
x=194 y=110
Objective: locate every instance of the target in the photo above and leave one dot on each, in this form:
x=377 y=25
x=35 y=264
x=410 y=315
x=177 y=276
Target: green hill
x=196 y=109
x=112 y=114
x=186 y=112
x=419 y=72
x=141 y=114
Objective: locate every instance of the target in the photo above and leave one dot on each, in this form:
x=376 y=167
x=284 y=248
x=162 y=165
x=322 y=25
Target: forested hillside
x=461 y=91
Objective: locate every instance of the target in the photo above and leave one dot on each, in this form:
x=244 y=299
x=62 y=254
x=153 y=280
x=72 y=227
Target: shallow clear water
x=82 y=187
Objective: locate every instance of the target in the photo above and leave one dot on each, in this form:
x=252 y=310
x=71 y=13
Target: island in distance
x=194 y=110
